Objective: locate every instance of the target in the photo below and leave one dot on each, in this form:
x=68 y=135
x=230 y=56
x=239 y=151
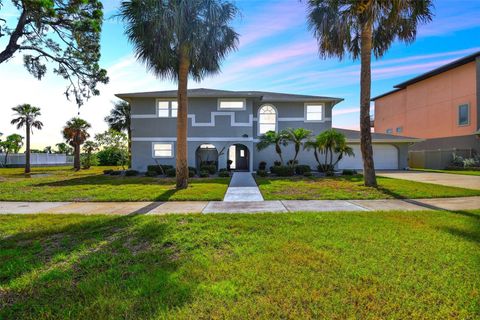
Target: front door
x=241 y=157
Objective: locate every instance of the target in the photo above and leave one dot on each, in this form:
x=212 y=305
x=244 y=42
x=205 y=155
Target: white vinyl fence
x=36 y=159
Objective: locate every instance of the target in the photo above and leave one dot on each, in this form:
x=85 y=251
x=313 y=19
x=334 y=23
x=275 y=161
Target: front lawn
x=64 y=184
x=356 y=265
x=464 y=172
x=351 y=187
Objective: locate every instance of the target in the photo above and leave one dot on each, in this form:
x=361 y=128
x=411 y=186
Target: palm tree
x=272 y=138
x=75 y=133
x=47 y=149
x=297 y=137
x=89 y=147
x=13 y=143
x=63 y=148
x=177 y=39
x=357 y=27
x=119 y=119
x=329 y=143
x=27 y=116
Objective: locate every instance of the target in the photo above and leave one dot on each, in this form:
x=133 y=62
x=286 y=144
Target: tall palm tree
x=177 y=39
x=358 y=27
x=75 y=133
x=27 y=117
x=119 y=119
x=297 y=137
x=272 y=138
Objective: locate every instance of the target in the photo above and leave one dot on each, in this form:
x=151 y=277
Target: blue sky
x=276 y=53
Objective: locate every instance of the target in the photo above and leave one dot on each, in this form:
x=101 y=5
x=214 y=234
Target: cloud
x=339 y=112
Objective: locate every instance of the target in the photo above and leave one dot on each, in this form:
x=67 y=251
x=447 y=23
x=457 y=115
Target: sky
x=277 y=53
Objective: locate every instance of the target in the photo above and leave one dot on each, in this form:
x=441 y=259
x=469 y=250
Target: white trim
x=301 y=119
x=197 y=139
x=258 y=117
x=219 y=100
x=316 y=104
x=214 y=114
x=163 y=142
x=143 y=116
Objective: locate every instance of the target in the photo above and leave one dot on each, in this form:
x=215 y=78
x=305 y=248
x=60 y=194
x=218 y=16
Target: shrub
x=349 y=172
x=191 y=173
x=325 y=168
x=193 y=169
x=223 y=174
x=276 y=163
x=262 y=166
x=284 y=171
x=160 y=169
x=131 y=173
x=204 y=174
x=469 y=163
x=308 y=174
x=171 y=172
x=151 y=173
x=211 y=168
x=262 y=173
x=112 y=157
x=108 y=171
x=88 y=160
x=292 y=162
x=457 y=161
x=302 y=168
x=116 y=172
x=223 y=170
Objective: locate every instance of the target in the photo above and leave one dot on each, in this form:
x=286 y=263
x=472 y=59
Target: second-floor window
x=313 y=112
x=463 y=115
x=231 y=104
x=167 y=109
x=267 y=119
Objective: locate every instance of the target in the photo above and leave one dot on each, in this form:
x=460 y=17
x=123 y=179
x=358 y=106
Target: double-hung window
x=463 y=115
x=167 y=108
x=162 y=149
x=314 y=112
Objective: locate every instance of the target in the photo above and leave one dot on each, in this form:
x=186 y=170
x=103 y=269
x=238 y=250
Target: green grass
x=356 y=265
x=64 y=184
x=464 y=172
x=351 y=187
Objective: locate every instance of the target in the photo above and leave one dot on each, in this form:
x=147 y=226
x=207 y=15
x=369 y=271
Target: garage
x=385 y=156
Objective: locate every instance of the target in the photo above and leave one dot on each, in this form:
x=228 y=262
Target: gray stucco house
x=224 y=126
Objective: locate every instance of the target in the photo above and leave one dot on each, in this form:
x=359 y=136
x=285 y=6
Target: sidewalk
x=176 y=207
x=242 y=188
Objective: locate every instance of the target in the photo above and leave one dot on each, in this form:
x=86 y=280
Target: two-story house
x=441 y=106
x=224 y=127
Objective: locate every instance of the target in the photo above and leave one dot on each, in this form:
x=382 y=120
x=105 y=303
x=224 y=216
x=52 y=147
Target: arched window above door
x=267 y=119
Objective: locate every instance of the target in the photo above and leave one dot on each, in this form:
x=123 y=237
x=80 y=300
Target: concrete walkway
x=177 y=207
x=445 y=179
x=242 y=188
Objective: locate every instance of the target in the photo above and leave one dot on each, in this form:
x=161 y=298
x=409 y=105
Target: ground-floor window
x=162 y=150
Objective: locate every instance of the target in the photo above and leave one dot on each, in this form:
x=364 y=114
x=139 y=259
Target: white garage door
x=385 y=156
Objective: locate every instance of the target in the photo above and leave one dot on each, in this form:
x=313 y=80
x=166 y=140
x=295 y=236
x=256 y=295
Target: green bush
x=277 y=163
x=349 y=172
x=116 y=172
x=283 y=171
x=193 y=169
x=224 y=174
x=204 y=174
x=171 y=172
x=131 y=173
x=108 y=171
x=302 y=168
x=191 y=173
x=151 y=173
x=211 y=168
x=86 y=160
x=223 y=170
x=160 y=169
x=262 y=166
x=262 y=173
x=112 y=157
x=308 y=174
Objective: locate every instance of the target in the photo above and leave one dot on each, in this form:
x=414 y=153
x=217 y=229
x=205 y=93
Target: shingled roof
x=214 y=93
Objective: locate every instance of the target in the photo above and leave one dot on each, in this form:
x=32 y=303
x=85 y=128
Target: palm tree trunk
x=76 y=158
x=279 y=152
x=129 y=134
x=365 y=87
x=27 y=151
x=182 y=123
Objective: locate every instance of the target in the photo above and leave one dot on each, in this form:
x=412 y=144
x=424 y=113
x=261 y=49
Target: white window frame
x=468 y=115
x=219 y=102
x=169 y=107
x=389 y=129
x=163 y=157
x=305 y=114
x=258 y=117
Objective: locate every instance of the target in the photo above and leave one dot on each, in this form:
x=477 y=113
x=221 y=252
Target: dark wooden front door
x=242 y=157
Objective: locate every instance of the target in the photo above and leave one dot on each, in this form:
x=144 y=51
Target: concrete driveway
x=446 y=179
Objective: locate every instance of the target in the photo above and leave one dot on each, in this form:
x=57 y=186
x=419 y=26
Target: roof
x=214 y=93
x=354 y=136
x=434 y=72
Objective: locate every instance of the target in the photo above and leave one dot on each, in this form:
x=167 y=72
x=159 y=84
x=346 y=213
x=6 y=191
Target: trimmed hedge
x=349 y=172
x=151 y=173
x=204 y=174
x=158 y=168
x=108 y=171
x=302 y=168
x=224 y=174
x=283 y=171
x=131 y=173
x=262 y=173
x=116 y=172
x=171 y=172
x=308 y=174
x=191 y=173
x=211 y=168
